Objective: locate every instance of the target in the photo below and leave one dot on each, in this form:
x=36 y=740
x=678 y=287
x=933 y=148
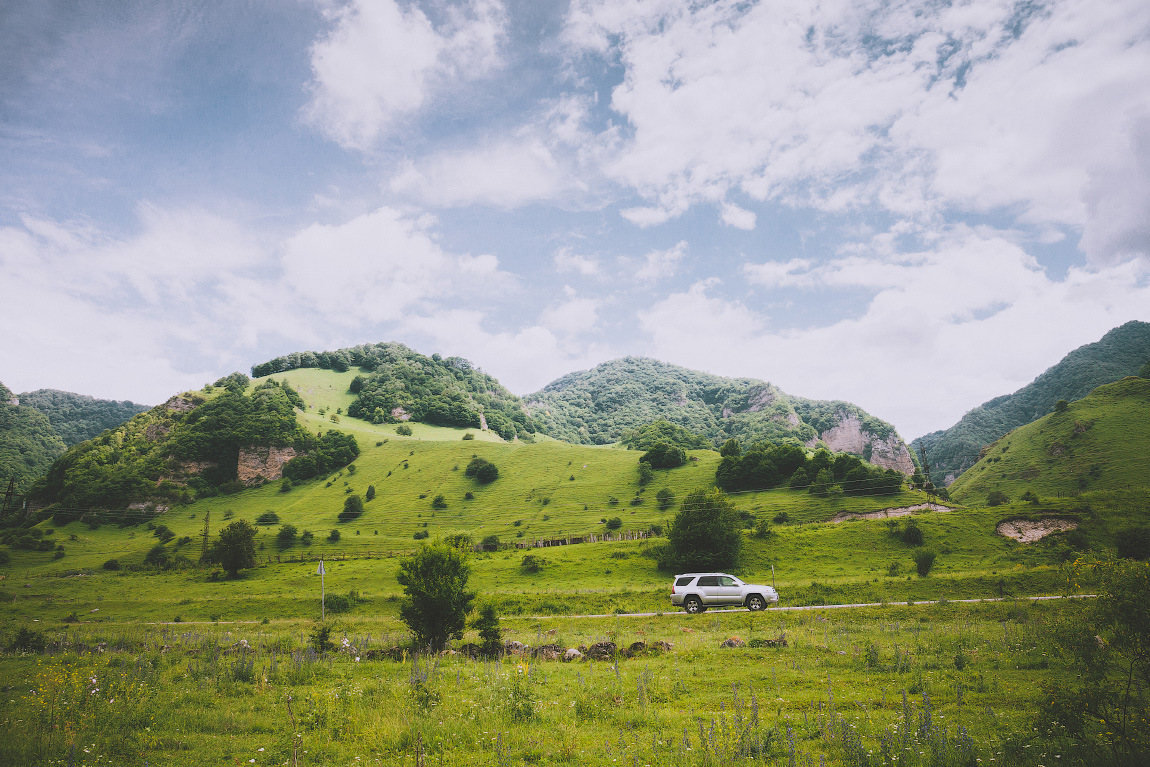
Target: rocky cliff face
x=849 y=437
x=257 y=464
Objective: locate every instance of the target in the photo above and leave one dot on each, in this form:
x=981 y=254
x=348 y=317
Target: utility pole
x=204 y=546
x=925 y=465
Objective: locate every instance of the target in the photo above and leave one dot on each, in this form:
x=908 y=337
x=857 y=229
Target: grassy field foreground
x=909 y=685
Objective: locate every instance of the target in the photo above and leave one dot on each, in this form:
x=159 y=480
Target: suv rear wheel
x=693 y=605
x=755 y=602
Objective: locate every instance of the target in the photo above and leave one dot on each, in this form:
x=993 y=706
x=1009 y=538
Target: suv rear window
x=709 y=580
x=685 y=581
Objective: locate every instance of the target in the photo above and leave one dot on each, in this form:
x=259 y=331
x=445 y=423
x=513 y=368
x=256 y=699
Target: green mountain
x=1100 y=442
x=1121 y=352
x=399 y=384
x=196 y=444
x=606 y=404
x=78 y=417
x=28 y=444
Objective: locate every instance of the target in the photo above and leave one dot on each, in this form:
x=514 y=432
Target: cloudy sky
x=911 y=205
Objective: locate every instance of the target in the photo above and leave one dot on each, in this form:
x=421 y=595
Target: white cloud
x=524 y=359
x=945 y=329
x=567 y=261
x=382 y=61
x=738 y=217
x=574 y=316
x=552 y=156
x=504 y=175
x=661 y=264
x=376 y=267
x=921 y=109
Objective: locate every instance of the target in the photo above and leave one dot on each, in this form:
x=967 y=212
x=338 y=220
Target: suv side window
x=709 y=580
x=685 y=581
x=726 y=581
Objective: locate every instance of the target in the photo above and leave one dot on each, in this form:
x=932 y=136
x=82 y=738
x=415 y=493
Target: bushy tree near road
x=706 y=533
x=436 y=600
x=235 y=549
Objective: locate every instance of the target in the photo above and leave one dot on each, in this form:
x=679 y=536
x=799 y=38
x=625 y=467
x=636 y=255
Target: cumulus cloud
x=551 y=156
x=382 y=61
x=969 y=318
x=917 y=108
x=661 y=264
x=567 y=261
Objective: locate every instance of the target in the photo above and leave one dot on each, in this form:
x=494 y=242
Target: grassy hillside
x=1121 y=352
x=1100 y=442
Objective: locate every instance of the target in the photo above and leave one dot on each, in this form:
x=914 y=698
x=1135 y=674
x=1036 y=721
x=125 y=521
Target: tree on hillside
x=235 y=549
x=436 y=600
x=731 y=448
x=482 y=471
x=352 y=508
x=664 y=455
x=706 y=534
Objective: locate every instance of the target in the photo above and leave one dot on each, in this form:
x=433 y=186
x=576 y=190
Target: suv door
x=719 y=590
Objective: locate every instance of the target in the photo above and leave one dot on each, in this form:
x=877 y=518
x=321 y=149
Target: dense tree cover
x=442 y=391
x=324 y=453
x=436 y=600
x=1121 y=352
x=706 y=534
x=766 y=466
x=78 y=417
x=618 y=400
x=662 y=430
x=28 y=443
x=185 y=448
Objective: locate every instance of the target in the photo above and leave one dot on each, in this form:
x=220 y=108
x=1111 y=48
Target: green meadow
x=181 y=665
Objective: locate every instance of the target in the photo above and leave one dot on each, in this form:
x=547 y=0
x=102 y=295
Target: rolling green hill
x=604 y=404
x=396 y=383
x=1121 y=352
x=1100 y=442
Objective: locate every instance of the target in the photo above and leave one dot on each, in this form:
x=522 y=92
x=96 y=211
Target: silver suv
x=695 y=592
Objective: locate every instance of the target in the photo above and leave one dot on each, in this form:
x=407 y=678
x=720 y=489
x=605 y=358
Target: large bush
x=706 y=534
x=235 y=549
x=436 y=600
x=482 y=470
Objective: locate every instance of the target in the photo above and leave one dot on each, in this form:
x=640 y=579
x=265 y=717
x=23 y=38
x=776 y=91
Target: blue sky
x=914 y=206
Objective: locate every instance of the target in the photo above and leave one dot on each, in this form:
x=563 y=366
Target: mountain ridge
x=1121 y=352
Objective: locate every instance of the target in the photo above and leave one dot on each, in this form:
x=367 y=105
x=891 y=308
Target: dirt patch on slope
x=1028 y=531
x=902 y=511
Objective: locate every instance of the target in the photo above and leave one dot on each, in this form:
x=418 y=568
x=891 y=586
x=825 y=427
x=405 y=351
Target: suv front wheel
x=755 y=602
x=693 y=605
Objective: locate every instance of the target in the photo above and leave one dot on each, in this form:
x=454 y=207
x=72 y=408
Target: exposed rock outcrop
x=257 y=464
x=849 y=437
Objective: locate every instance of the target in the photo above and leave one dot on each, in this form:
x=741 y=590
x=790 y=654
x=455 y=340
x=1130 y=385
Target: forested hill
x=1121 y=352
x=28 y=444
x=600 y=406
x=399 y=384
x=78 y=417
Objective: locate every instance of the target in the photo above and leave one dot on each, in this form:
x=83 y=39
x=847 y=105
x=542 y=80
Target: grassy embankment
x=939 y=684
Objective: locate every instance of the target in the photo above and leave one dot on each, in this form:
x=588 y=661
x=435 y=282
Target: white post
x=322 y=595
x=773 y=577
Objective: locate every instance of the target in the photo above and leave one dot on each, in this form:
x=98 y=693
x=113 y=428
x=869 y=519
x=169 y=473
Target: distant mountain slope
x=600 y=406
x=1100 y=442
x=1121 y=352
x=28 y=444
x=77 y=417
x=399 y=384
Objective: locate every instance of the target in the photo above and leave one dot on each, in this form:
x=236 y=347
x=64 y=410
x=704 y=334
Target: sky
x=912 y=206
